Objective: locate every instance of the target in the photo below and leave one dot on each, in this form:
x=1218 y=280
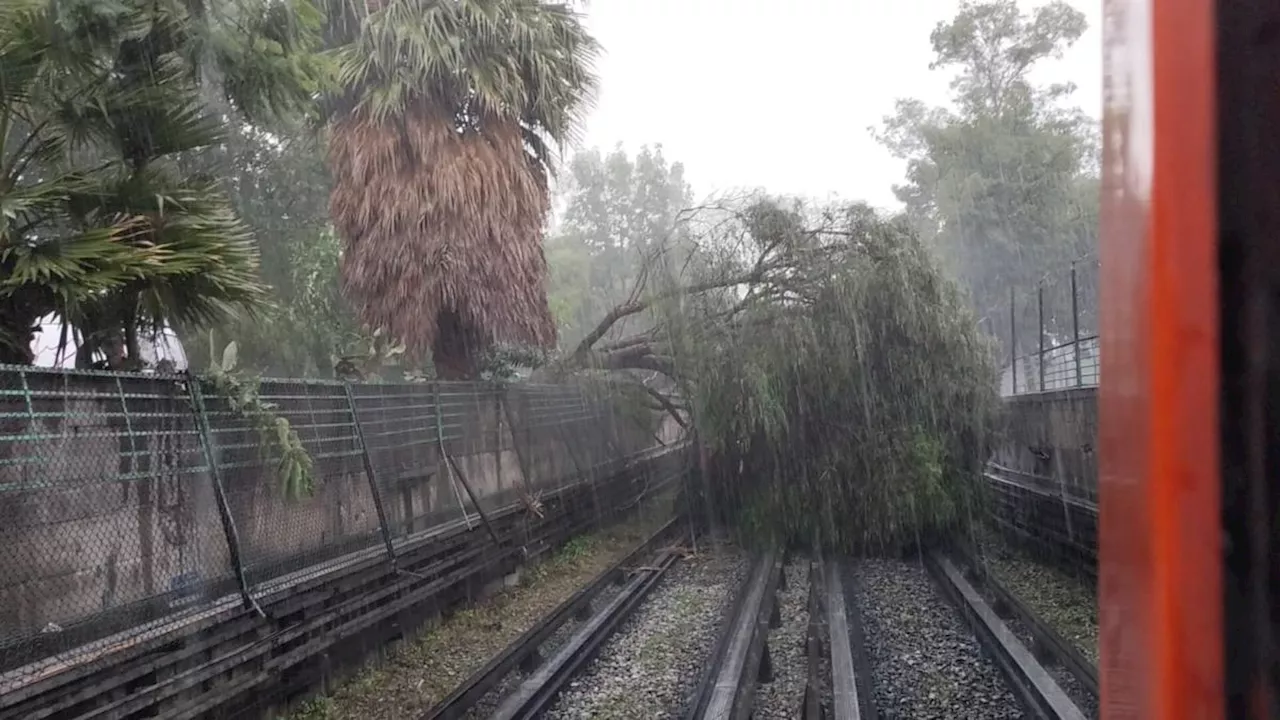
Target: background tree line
x=332 y=184
x=366 y=189
x=1004 y=185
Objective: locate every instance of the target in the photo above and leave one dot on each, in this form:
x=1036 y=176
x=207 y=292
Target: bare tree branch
x=639 y=306
x=667 y=405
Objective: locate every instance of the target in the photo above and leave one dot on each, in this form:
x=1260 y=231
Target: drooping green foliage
x=98 y=100
x=240 y=392
x=845 y=393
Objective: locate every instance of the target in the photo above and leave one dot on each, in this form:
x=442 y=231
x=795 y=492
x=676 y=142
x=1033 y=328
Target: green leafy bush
x=293 y=464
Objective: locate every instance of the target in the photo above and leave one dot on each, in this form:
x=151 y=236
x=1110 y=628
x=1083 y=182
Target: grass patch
x=424 y=670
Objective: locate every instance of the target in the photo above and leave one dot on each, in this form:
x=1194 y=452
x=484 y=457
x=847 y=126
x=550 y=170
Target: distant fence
x=121 y=504
x=1049 y=332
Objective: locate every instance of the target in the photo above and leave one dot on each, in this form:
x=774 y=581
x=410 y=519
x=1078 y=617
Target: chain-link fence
x=130 y=502
x=1049 y=332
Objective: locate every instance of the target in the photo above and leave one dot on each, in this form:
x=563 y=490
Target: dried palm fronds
x=443 y=230
x=440 y=153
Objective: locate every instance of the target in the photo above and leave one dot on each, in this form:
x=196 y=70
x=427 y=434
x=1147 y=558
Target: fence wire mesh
x=1049 y=332
x=127 y=501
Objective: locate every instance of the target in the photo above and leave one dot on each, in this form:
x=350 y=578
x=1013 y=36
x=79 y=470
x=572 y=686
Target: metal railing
x=127 y=498
x=1050 y=332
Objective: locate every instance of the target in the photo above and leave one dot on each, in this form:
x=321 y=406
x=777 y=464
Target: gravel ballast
x=782 y=697
x=925 y=663
x=1074 y=689
x=420 y=673
x=1067 y=604
x=647 y=670
x=490 y=702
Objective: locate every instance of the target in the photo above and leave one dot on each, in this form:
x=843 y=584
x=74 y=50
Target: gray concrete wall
x=1053 y=435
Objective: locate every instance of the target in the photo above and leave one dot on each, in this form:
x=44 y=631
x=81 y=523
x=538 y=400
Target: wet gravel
x=782 y=698
x=490 y=702
x=1085 y=700
x=419 y=673
x=647 y=670
x=1068 y=604
x=925 y=663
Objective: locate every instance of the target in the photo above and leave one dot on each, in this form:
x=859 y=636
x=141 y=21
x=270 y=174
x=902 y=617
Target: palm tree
x=97 y=223
x=440 y=150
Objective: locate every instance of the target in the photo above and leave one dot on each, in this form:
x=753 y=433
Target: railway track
x=1077 y=675
x=1036 y=668
x=741 y=657
x=1038 y=689
x=537 y=679
x=986 y=655
x=839 y=674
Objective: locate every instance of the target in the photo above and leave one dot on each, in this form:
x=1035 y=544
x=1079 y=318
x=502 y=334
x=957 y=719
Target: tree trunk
x=19 y=321
x=15 y=345
x=456 y=351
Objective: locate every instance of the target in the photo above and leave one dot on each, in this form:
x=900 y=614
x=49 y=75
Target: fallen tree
x=837 y=382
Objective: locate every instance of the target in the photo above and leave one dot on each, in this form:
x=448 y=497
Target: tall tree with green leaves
x=1004 y=186
x=97 y=102
x=278 y=184
x=618 y=211
x=440 y=151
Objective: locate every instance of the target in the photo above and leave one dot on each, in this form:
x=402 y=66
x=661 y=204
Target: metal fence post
x=220 y=494
x=451 y=465
x=515 y=444
x=497 y=437
x=1040 y=310
x=370 y=474
x=1013 y=341
x=1075 y=326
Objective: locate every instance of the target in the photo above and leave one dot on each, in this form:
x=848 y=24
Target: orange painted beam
x=1160 y=568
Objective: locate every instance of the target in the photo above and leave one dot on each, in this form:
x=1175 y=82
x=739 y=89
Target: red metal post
x=1160 y=572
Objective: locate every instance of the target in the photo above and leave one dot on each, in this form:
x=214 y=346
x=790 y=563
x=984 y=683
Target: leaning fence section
x=127 y=501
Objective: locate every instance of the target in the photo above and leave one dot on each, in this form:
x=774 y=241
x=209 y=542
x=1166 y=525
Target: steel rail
x=1034 y=686
x=742 y=658
x=523 y=651
x=1049 y=641
x=814 y=688
x=536 y=694
x=851 y=697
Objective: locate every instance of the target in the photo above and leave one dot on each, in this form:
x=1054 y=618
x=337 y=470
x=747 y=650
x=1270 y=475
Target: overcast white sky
x=779 y=95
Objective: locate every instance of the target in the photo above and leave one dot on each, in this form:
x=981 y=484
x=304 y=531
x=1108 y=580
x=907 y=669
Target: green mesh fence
x=130 y=501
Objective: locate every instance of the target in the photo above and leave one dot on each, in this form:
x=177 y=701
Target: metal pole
x=371 y=475
x=1013 y=343
x=525 y=469
x=220 y=495
x=497 y=436
x=451 y=465
x=1040 y=310
x=1075 y=326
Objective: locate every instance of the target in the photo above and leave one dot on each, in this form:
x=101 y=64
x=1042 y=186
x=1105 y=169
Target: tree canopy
x=98 y=101
x=617 y=212
x=1004 y=186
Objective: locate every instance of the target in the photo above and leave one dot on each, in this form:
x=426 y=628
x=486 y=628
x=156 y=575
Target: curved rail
x=727 y=690
x=1039 y=692
x=523 y=651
